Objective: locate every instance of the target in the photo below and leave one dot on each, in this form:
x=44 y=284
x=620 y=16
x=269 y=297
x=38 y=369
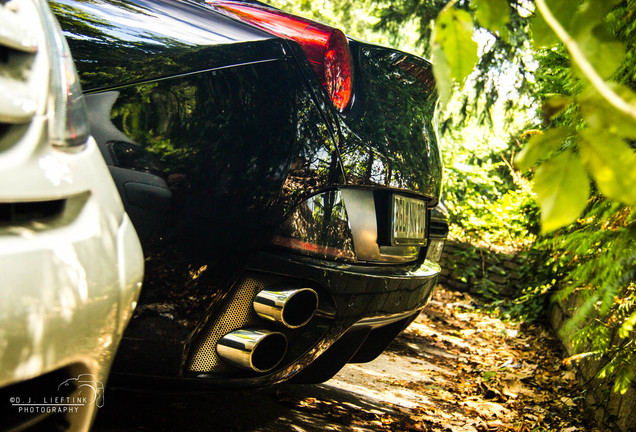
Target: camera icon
x=85 y=386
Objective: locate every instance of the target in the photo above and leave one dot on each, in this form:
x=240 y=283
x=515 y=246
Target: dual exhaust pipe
x=292 y=308
x=253 y=349
x=262 y=350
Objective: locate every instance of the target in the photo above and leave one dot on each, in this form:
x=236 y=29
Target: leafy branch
x=564 y=158
x=581 y=160
x=581 y=60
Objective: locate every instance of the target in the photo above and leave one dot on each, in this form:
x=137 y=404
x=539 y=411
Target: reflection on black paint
x=116 y=42
x=389 y=137
x=242 y=138
x=211 y=131
x=235 y=171
x=320 y=227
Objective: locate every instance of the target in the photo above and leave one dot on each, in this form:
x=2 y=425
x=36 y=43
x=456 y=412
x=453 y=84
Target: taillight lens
x=326 y=48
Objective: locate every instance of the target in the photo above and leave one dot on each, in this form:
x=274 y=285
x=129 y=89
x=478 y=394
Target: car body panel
x=390 y=125
x=113 y=42
x=213 y=143
x=70 y=258
x=64 y=273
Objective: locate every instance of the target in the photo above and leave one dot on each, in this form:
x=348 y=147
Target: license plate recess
x=408 y=221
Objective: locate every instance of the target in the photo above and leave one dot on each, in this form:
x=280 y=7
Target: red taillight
x=326 y=48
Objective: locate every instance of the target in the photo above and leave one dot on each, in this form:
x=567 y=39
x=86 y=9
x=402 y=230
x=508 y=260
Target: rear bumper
x=352 y=298
x=360 y=293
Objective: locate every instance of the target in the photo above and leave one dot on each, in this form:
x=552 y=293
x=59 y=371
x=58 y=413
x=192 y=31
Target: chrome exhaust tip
x=293 y=308
x=253 y=349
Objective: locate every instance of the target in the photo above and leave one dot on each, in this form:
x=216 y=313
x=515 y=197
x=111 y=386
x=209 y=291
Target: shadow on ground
x=287 y=408
x=454 y=369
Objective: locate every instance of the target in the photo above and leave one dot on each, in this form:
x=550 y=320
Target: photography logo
x=70 y=396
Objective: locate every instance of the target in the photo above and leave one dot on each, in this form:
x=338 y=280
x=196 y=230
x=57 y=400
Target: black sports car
x=282 y=177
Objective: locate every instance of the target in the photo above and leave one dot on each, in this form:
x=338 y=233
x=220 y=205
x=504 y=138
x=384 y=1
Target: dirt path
x=454 y=369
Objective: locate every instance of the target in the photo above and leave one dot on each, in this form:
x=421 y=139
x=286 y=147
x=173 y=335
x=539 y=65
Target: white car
x=70 y=261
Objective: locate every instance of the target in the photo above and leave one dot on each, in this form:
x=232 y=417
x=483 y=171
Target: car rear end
x=287 y=210
x=70 y=259
x=368 y=247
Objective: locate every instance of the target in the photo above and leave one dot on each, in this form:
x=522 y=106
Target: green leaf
x=562 y=189
x=452 y=35
x=539 y=147
x=492 y=14
x=623 y=380
x=603 y=52
x=542 y=34
x=441 y=71
x=488 y=375
x=612 y=164
x=563 y=11
x=628 y=326
x=554 y=105
x=599 y=114
x=591 y=14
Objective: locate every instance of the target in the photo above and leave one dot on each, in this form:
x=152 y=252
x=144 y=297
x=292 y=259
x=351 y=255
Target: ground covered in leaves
x=456 y=368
